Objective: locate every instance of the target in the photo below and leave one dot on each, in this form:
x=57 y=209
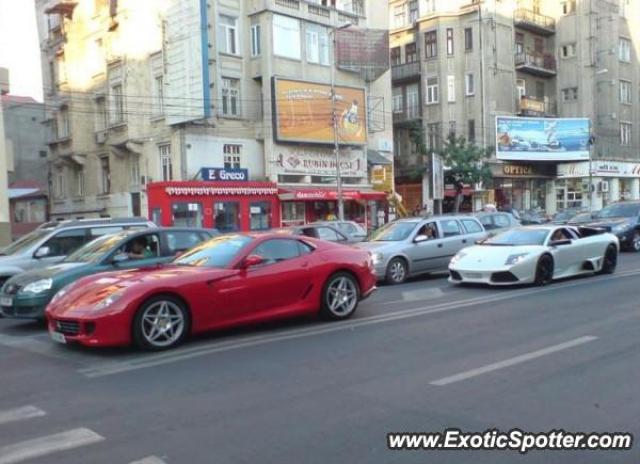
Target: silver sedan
x=413 y=246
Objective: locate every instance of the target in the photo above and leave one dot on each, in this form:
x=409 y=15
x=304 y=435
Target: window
x=66 y=242
x=570 y=94
x=135 y=170
x=411 y=53
x=260 y=213
x=521 y=86
x=413 y=11
x=538 y=44
x=519 y=43
x=623 y=9
x=79 y=182
x=540 y=90
x=624 y=52
x=431 y=44
x=63 y=122
x=468 y=39
x=431 y=6
x=105 y=175
x=317 y=44
x=166 y=167
x=451 y=89
x=568 y=51
x=230 y=97
x=469 y=84
x=228 y=35
x=275 y=251
x=625 y=133
x=286 y=37
x=471 y=130
x=449 y=41
x=158 y=94
x=399 y=16
x=324 y=233
x=117 y=99
x=256 y=37
x=625 y=92
x=568 y=7
x=501 y=220
x=450 y=228
x=396 y=58
x=413 y=101
x=471 y=226
x=186 y=214
x=398 y=100
x=433 y=136
x=101 y=113
x=181 y=241
x=232 y=158
x=432 y=90
x=452 y=129
x=60 y=189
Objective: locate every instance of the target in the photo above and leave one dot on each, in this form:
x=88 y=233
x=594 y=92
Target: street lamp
x=336 y=142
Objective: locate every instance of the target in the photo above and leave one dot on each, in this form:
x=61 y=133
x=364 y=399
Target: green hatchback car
x=26 y=295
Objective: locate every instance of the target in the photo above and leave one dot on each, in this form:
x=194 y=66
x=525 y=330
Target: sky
x=19 y=50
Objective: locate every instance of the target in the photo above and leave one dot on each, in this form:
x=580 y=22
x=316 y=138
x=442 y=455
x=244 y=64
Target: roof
x=17 y=100
x=375 y=157
x=15 y=193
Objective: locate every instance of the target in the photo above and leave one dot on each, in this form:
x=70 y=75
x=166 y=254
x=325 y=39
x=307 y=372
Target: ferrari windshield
x=619 y=210
x=394 y=232
x=217 y=252
x=519 y=237
x=93 y=251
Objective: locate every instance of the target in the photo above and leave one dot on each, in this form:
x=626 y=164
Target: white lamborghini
x=536 y=254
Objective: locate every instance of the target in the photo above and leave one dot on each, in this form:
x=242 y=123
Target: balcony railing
x=410 y=113
x=535 y=22
x=293 y=4
x=537 y=64
x=405 y=71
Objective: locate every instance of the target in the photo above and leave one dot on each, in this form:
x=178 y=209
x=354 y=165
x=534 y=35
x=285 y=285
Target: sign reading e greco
x=222 y=174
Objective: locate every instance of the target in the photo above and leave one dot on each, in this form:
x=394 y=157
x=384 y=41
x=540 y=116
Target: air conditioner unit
x=604 y=186
x=101 y=137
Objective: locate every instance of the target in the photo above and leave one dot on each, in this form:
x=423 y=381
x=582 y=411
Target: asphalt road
x=420 y=357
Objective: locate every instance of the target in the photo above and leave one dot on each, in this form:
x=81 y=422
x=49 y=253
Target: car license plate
x=473 y=275
x=58 y=337
x=6 y=301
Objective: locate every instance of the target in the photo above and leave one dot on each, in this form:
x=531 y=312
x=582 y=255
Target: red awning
x=452 y=193
x=329 y=195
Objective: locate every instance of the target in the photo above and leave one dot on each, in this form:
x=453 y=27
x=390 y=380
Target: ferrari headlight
x=39 y=286
x=457 y=257
x=515 y=259
x=108 y=301
x=377 y=258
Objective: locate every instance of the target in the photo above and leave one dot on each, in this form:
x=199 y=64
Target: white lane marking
x=149 y=460
x=18 y=414
x=49 y=444
x=513 y=361
x=145 y=361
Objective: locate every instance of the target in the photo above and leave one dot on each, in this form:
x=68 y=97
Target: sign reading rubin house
x=221 y=174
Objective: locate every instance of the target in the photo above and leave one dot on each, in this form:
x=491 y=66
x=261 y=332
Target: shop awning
x=375 y=158
x=319 y=194
x=452 y=193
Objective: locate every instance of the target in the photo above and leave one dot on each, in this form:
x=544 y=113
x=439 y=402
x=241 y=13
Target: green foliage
x=466 y=160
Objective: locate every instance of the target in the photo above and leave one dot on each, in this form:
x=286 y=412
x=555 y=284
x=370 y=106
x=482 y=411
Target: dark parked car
x=566 y=215
x=621 y=219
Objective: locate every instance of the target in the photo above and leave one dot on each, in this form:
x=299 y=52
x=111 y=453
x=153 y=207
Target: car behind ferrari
x=536 y=254
x=228 y=281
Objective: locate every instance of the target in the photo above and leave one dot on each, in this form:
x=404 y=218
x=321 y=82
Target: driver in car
x=427 y=231
x=139 y=249
x=559 y=235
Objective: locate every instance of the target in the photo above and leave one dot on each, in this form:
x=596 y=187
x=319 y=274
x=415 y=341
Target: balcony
x=62 y=7
x=406 y=117
x=534 y=107
x=536 y=64
x=405 y=72
x=534 y=22
x=322 y=12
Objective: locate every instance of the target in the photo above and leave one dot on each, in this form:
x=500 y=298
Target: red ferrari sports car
x=228 y=281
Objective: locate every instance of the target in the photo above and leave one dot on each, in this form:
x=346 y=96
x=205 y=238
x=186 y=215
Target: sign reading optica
x=542 y=139
x=221 y=174
x=303 y=113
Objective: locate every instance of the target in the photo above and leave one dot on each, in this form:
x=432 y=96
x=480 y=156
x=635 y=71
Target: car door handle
x=439 y=245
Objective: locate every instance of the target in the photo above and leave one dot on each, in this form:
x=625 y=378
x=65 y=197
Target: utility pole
x=334 y=112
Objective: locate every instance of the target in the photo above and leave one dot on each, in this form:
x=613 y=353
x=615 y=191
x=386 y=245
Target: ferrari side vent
x=455 y=275
x=588 y=266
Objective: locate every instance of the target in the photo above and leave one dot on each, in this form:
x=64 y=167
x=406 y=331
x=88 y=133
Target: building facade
x=457 y=65
x=150 y=91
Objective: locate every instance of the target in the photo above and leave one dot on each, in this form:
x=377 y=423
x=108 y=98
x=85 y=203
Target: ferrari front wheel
x=340 y=297
x=544 y=270
x=161 y=323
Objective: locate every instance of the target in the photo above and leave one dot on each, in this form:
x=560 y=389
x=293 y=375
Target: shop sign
x=517 y=170
x=523 y=170
x=382 y=178
x=211 y=191
x=599 y=169
x=301 y=162
x=222 y=174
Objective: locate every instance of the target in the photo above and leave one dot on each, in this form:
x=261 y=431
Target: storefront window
x=187 y=214
x=293 y=212
x=227 y=216
x=569 y=194
x=260 y=215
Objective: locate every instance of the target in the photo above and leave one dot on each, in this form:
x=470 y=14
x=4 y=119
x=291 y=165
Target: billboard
x=542 y=139
x=303 y=113
x=363 y=51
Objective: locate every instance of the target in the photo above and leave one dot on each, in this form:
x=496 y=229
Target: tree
x=465 y=161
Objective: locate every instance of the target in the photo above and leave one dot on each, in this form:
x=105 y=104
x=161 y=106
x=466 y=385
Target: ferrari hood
x=487 y=258
x=44 y=273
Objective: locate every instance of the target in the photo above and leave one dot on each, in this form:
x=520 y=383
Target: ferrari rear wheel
x=610 y=260
x=161 y=323
x=544 y=270
x=340 y=297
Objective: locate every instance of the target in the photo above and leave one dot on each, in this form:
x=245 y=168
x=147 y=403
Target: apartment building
x=185 y=91
x=457 y=65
